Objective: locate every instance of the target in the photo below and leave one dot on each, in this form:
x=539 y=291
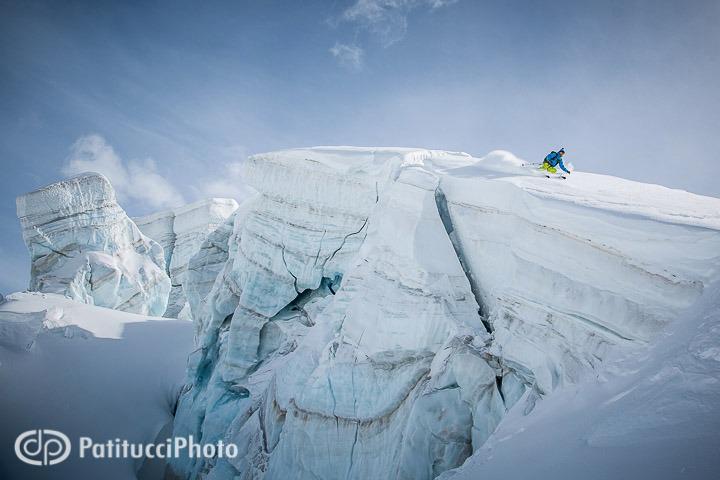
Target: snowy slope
x=181 y=232
x=376 y=312
x=654 y=414
x=86 y=370
x=83 y=245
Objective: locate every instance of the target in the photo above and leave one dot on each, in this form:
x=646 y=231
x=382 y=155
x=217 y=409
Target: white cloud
x=230 y=185
x=135 y=180
x=350 y=56
x=387 y=19
x=228 y=180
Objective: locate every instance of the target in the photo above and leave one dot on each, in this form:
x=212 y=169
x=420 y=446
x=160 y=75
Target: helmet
x=561 y=151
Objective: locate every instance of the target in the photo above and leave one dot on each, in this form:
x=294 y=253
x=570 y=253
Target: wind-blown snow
x=376 y=312
x=181 y=232
x=83 y=245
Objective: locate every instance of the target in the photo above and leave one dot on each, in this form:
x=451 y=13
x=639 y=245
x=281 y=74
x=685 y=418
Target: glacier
x=378 y=312
x=181 y=232
x=83 y=245
x=383 y=312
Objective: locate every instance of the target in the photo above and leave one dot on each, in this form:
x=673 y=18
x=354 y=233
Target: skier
x=553 y=160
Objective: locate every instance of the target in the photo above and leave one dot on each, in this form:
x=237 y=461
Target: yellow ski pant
x=546 y=166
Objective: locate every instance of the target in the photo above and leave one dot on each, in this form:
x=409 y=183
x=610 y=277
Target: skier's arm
x=562 y=165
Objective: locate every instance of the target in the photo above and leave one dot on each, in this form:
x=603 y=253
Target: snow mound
x=501 y=161
x=87 y=371
x=378 y=311
x=181 y=232
x=83 y=245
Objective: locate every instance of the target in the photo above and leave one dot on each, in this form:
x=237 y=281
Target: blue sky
x=180 y=92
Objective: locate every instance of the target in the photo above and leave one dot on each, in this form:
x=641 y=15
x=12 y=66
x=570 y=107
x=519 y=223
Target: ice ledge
x=596 y=191
x=87 y=191
x=345 y=159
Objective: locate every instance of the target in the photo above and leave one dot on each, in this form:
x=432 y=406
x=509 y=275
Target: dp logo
x=42 y=447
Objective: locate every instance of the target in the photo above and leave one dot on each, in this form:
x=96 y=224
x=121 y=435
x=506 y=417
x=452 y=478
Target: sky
x=168 y=98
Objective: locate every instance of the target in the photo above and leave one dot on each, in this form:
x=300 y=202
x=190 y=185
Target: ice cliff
x=375 y=312
x=181 y=231
x=84 y=246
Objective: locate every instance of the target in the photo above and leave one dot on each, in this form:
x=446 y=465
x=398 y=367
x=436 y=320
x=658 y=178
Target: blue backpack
x=552 y=158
